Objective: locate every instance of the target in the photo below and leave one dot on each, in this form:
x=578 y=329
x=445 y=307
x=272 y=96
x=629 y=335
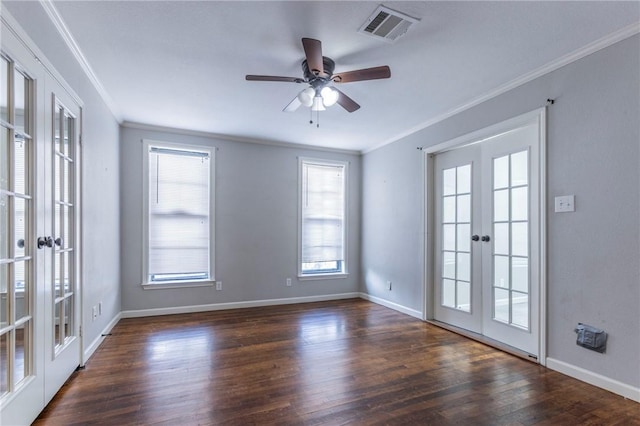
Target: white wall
x=392 y=224
x=100 y=174
x=593 y=254
x=256 y=224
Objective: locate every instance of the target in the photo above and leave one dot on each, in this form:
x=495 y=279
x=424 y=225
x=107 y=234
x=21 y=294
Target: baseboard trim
x=595 y=379
x=234 y=305
x=98 y=340
x=392 y=305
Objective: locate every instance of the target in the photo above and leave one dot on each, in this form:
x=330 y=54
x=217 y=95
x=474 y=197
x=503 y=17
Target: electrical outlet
x=95 y=313
x=288 y=282
x=218 y=285
x=389 y=285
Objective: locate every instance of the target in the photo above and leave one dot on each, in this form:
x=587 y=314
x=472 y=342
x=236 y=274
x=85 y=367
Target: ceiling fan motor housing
x=320 y=80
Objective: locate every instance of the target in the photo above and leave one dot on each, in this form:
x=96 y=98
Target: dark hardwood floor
x=328 y=363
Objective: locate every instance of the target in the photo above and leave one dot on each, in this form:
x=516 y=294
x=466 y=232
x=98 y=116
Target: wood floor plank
x=327 y=363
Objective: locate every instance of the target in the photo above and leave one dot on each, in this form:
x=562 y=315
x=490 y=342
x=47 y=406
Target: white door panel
x=510 y=258
x=21 y=301
x=62 y=341
x=458 y=277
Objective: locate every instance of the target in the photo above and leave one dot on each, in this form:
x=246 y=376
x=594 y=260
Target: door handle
x=486 y=238
x=58 y=242
x=45 y=241
x=475 y=238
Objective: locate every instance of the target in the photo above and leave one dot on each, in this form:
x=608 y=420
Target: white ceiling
x=183 y=64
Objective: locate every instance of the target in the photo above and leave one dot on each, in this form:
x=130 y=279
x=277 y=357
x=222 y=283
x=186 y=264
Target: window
x=322 y=216
x=179 y=243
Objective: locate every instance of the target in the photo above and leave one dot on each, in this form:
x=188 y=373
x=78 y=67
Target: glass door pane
x=5 y=66
x=63 y=220
x=511 y=239
x=4 y=363
x=456 y=238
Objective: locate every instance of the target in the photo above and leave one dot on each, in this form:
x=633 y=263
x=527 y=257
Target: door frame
x=539 y=116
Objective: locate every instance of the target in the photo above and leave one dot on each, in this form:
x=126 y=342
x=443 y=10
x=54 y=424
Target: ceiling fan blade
x=346 y=102
x=293 y=105
x=274 y=78
x=313 y=52
x=374 y=73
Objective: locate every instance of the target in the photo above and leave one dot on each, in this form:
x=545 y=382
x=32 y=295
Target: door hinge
x=80 y=140
x=80 y=331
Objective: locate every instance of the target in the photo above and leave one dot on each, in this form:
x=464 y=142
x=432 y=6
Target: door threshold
x=486 y=341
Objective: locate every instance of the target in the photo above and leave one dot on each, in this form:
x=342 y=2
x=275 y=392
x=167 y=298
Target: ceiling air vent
x=387 y=24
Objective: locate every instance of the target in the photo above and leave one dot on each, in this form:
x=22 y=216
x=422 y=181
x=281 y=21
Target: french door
x=487 y=237
x=39 y=285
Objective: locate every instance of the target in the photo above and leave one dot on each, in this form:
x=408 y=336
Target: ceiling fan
x=318 y=74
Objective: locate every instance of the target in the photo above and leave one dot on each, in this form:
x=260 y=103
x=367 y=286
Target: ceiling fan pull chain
x=318 y=119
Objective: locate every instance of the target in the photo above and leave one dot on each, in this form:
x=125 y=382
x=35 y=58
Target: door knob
x=58 y=241
x=45 y=241
x=486 y=238
x=475 y=238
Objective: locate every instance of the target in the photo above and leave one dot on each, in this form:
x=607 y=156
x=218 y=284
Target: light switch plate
x=565 y=204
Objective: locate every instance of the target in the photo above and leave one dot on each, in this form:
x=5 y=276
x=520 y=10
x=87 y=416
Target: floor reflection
x=322 y=358
x=321 y=327
x=179 y=345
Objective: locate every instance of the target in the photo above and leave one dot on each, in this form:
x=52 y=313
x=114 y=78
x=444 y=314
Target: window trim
x=209 y=282
x=324 y=275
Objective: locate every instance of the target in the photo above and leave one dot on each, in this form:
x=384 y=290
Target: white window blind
x=178 y=215
x=322 y=217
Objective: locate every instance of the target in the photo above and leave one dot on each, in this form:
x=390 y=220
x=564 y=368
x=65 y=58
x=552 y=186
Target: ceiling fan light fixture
x=317 y=104
x=307 y=96
x=329 y=96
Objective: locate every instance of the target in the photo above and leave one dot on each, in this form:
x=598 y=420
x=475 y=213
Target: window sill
x=310 y=277
x=177 y=284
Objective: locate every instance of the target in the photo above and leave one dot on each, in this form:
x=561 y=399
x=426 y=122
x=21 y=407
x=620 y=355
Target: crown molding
x=68 y=39
x=233 y=138
x=12 y=25
x=606 y=41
